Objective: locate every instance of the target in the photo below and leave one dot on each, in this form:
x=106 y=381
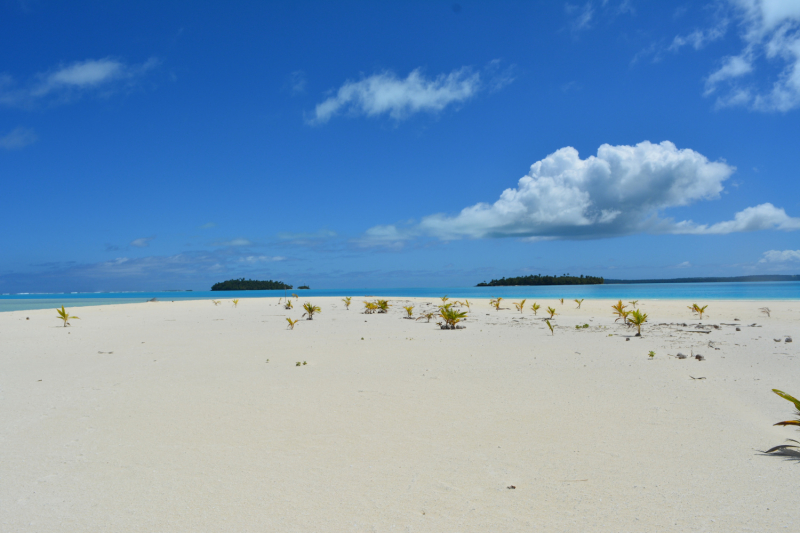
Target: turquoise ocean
x=694 y=292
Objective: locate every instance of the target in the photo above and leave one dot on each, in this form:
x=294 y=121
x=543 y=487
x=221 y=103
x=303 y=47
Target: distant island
x=538 y=279
x=249 y=285
x=303 y=287
x=768 y=277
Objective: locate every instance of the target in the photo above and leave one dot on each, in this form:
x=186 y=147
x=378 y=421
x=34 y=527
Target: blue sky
x=148 y=146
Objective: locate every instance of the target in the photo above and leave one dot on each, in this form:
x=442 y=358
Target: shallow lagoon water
x=778 y=290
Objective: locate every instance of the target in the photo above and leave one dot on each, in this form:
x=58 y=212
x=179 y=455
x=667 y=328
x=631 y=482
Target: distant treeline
x=538 y=279
x=707 y=280
x=249 y=285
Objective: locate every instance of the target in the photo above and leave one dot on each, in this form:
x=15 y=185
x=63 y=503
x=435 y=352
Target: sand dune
x=187 y=416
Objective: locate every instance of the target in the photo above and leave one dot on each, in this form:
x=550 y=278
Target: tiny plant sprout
x=65 y=316
x=766 y=311
x=496 y=303
x=292 y=322
x=535 y=307
x=651 y=353
x=305 y=363
x=466 y=302
x=236 y=302
x=295 y=296
x=619 y=309
x=346 y=301
x=409 y=310
x=288 y=304
x=699 y=310
x=310 y=310
x=552 y=312
x=633 y=303
x=297 y=363
x=426 y=316
x=579 y=302
x=637 y=318
x=444 y=299
x=520 y=305
x=216 y=302
x=549 y=325
x=561 y=300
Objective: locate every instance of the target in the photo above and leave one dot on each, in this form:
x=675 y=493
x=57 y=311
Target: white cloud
x=18 y=138
x=386 y=94
x=770 y=34
x=698 y=39
x=143 y=242
x=621 y=191
x=778 y=256
x=261 y=259
x=239 y=241
x=70 y=81
x=685 y=264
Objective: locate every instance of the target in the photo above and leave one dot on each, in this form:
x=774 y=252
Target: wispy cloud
x=623 y=190
x=387 y=94
x=239 y=241
x=296 y=82
x=780 y=256
x=580 y=16
x=208 y=225
x=18 y=138
x=142 y=242
x=71 y=81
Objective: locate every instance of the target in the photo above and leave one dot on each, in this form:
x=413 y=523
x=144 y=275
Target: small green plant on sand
x=292 y=322
x=651 y=353
x=409 y=310
x=637 y=318
x=295 y=296
x=496 y=303
x=426 y=316
x=466 y=302
x=370 y=307
x=549 y=325
x=520 y=305
x=579 y=302
x=699 y=310
x=383 y=306
x=634 y=303
x=451 y=316
x=216 y=302
x=535 y=307
x=288 y=304
x=235 y=302
x=346 y=301
x=619 y=309
x=310 y=310
x=766 y=311
x=796 y=422
x=585 y=326
x=561 y=300
x=552 y=312
x=444 y=299
x=65 y=316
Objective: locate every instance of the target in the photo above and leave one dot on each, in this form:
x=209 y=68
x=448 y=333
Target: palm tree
x=552 y=312
x=66 y=317
x=535 y=307
x=637 y=318
x=346 y=301
x=520 y=305
x=310 y=310
x=619 y=308
x=292 y=322
x=410 y=310
x=579 y=302
x=699 y=310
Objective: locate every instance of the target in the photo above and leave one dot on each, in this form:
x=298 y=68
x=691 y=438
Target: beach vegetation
x=535 y=307
x=383 y=306
x=292 y=322
x=552 y=312
x=651 y=354
x=766 y=311
x=235 y=302
x=539 y=279
x=451 y=316
x=796 y=422
x=496 y=303
x=295 y=296
x=699 y=310
x=549 y=325
x=444 y=298
x=520 y=305
x=409 y=311
x=578 y=326
x=426 y=316
x=65 y=316
x=637 y=318
x=579 y=302
x=249 y=285
x=619 y=309
x=310 y=310
x=466 y=302
x=346 y=301
x=216 y=302
x=370 y=307
x=561 y=300
x=634 y=303
x=288 y=304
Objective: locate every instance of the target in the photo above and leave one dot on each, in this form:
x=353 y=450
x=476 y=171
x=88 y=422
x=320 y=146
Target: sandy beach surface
x=190 y=416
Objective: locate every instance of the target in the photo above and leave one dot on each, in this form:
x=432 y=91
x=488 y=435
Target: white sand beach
x=186 y=416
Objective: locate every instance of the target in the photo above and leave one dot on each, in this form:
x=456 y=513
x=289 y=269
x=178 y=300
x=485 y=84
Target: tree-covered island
x=538 y=279
x=249 y=285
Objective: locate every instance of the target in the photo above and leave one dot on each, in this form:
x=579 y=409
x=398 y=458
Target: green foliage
x=637 y=318
x=427 y=316
x=579 y=302
x=796 y=403
x=288 y=304
x=295 y=296
x=496 y=303
x=561 y=300
x=633 y=303
x=535 y=307
x=466 y=302
x=249 y=285
x=549 y=325
x=216 y=302
x=409 y=310
x=303 y=287
x=65 y=316
x=651 y=353
x=552 y=312
x=235 y=302
x=520 y=305
x=451 y=316
x=310 y=310
x=370 y=307
x=699 y=310
x=292 y=322
x=538 y=279
x=346 y=301
x=619 y=309
x=585 y=326
x=383 y=306
x=445 y=298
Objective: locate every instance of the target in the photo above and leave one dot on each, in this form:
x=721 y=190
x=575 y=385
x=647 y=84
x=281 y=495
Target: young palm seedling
x=65 y=316
x=295 y=296
x=637 y=318
x=699 y=310
x=370 y=307
x=310 y=310
x=633 y=303
x=451 y=317
x=444 y=299
x=496 y=303
x=216 y=302
x=520 y=305
x=236 y=302
x=579 y=302
x=549 y=325
x=292 y=322
x=766 y=311
x=796 y=403
x=346 y=301
x=466 y=302
x=288 y=304
x=409 y=310
x=651 y=354
x=383 y=306
x=552 y=312
x=535 y=307
x=619 y=309
x=561 y=300
x=426 y=316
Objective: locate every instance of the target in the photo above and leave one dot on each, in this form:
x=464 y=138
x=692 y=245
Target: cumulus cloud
x=18 y=138
x=387 y=94
x=142 y=242
x=770 y=35
x=778 y=256
x=71 y=81
x=622 y=190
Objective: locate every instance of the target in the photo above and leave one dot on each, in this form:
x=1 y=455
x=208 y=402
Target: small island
x=249 y=285
x=538 y=279
x=303 y=287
